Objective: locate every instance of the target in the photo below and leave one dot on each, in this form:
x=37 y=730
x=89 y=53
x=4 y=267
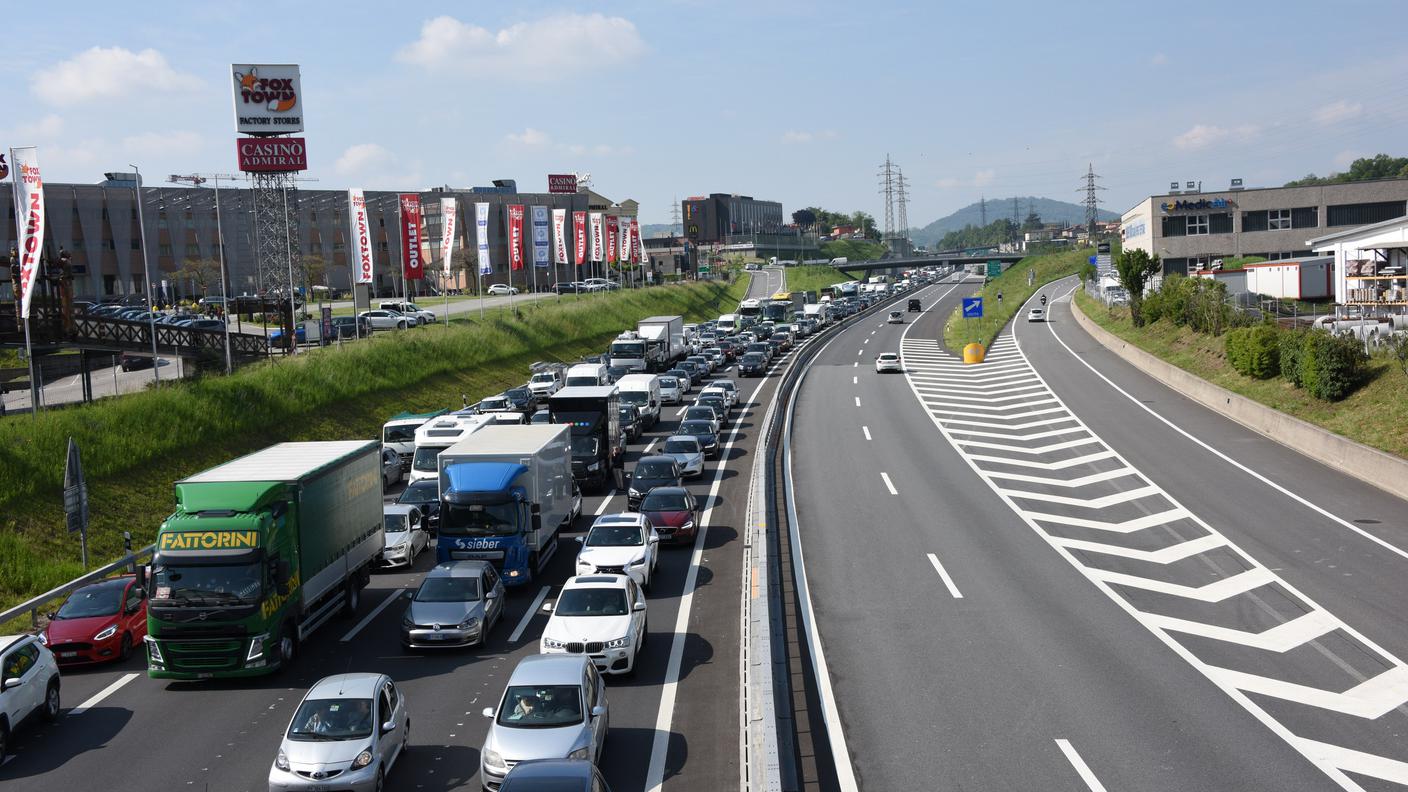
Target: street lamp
x=198 y=180
x=147 y=272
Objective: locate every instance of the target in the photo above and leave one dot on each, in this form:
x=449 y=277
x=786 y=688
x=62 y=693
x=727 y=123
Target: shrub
x=1263 y=350
x=1292 y=348
x=1331 y=365
x=1236 y=345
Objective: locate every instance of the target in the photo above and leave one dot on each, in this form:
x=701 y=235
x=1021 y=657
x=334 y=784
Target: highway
x=674 y=724
x=1050 y=572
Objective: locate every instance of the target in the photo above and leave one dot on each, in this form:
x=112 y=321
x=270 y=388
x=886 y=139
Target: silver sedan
x=347 y=733
x=687 y=453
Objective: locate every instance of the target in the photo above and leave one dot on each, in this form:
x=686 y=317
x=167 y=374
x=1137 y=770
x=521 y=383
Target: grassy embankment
x=1015 y=291
x=1376 y=414
x=135 y=447
x=814 y=278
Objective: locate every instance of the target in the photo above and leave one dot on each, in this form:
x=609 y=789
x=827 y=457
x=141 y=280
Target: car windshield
x=394 y=523
x=628 y=349
x=634 y=397
x=752 y=357
x=681 y=446
x=699 y=414
x=479 y=519
x=591 y=602
x=548 y=378
x=627 y=415
x=696 y=428
x=585 y=446
x=198 y=584
x=103 y=599
x=493 y=404
x=426 y=458
x=448 y=589
x=421 y=492
x=655 y=470
x=889 y=356
x=332 y=719
x=664 y=501
x=614 y=536
x=541 y=706
x=669 y=382
x=398 y=434
x=518 y=394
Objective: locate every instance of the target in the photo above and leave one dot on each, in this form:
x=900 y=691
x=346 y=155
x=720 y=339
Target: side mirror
x=51 y=615
x=639 y=606
x=488 y=712
x=547 y=606
x=389 y=726
x=581 y=540
x=655 y=539
x=598 y=711
x=12 y=682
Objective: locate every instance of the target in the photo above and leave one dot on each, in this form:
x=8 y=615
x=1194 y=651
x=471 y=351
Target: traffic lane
x=1352 y=576
x=1030 y=651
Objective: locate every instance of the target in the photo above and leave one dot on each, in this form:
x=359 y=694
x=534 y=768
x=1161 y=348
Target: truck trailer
x=664 y=338
x=260 y=552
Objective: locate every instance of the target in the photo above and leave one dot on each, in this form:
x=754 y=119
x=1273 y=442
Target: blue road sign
x=1092 y=259
x=972 y=307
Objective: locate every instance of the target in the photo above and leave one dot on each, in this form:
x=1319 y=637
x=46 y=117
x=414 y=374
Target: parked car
x=348 y=326
x=351 y=727
x=411 y=311
x=404 y=534
x=425 y=494
x=501 y=288
x=553 y=707
x=688 y=454
x=555 y=775
x=29 y=685
x=385 y=320
x=569 y=287
x=656 y=470
x=131 y=362
x=98 y=623
x=391 y=468
x=457 y=604
x=674 y=513
x=888 y=361
x=601 y=616
x=620 y=544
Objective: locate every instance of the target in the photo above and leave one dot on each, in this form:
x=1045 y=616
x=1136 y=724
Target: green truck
x=260 y=552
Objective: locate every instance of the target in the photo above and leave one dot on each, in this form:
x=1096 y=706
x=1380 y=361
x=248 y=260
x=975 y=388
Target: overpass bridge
x=938 y=260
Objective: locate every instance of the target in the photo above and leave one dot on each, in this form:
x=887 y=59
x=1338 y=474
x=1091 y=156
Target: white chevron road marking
x=1093 y=503
x=1281 y=638
x=1372 y=698
x=1166 y=555
x=1216 y=591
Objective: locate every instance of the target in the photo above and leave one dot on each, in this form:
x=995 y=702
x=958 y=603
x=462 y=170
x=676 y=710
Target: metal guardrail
x=32 y=606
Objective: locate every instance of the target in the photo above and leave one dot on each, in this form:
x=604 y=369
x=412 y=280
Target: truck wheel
x=4 y=741
x=354 y=598
x=288 y=645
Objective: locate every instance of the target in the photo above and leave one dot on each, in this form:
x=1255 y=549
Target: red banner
x=636 y=246
x=515 y=236
x=271 y=155
x=412 y=267
x=579 y=237
x=612 y=229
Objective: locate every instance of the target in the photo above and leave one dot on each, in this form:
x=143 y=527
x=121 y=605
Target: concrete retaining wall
x=1370 y=465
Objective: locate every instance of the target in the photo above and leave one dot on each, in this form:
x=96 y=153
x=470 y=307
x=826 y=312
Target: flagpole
x=508 y=226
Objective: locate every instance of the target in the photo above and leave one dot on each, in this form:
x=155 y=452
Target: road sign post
x=76 y=499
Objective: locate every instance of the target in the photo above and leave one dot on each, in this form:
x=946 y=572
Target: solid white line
x=889 y=485
x=352 y=633
x=528 y=617
x=857 y=401
x=102 y=694
x=855 y=364
x=1082 y=769
x=605 y=502
x=943 y=573
x=866 y=430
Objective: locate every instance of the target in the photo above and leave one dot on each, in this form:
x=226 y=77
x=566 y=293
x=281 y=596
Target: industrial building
x=1371 y=266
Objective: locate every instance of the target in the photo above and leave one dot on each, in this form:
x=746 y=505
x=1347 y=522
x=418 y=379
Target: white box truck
x=664 y=339
x=643 y=391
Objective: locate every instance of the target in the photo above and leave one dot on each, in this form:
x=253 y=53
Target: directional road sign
x=972 y=307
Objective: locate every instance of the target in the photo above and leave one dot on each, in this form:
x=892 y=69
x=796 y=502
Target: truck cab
x=598 y=450
x=643 y=392
x=629 y=351
x=399 y=434
x=437 y=435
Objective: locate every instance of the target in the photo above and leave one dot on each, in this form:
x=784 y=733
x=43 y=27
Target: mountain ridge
x=1049 y=209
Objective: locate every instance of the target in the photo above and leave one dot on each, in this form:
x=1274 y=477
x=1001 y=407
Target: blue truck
x=506 y=492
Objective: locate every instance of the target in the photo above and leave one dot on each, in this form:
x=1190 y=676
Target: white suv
x=29 y=684
x=601 y=616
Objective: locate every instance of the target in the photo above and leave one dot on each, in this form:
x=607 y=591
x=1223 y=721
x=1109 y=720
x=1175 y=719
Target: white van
x=642 y=390
x=589 y=375
x=437 y=435
x=729 y=323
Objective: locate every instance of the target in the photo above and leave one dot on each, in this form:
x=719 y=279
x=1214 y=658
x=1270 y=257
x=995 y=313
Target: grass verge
x=814 y=278
x=135 y=447
x=1015 y=291
x=1376 y=414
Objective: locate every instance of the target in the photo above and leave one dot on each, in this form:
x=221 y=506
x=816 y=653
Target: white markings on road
x=866 y=431
x=889 y=485
x=857 y=401
x=528 y=616
x=1082 y=769
x=681 y=410
x=867 y=341
x=855 y=380
x=860 y=352
x=352 y=633
x=98 y=697
x=943 y=573
x=649 y=446
x=605 y=502
x=855 y=364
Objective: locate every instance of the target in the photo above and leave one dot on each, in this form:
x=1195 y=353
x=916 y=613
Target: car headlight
x=493 y=760
x=154 y=649
x=587 y=565
x=688 y=526
x=469 y=623
x=106 y=633
x=363 y=759
x=406 y=620
x=553 y=643
x=594 y=466
x=256 y=647
x=282 y=761
x=638 y=562
x=581 y=753
x=635 y=493
x=619 y=643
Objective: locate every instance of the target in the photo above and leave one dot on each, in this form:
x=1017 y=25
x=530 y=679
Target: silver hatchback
x=458 y=602
x=554 y=707
x=347 y=733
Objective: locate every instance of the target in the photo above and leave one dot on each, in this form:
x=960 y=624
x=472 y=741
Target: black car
x=522 y=399
x=574 y=287
x=695 y=371
x=914 y=305
x=554 y=775
x=541 y=417
x=425 y=494
x=630 y=422
x=345 y=327
x=702 y=431
x=130 y=362
x=752 y=364
x=652 y=471
x=764 y=348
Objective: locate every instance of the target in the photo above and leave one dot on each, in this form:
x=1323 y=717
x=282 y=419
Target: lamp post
x=198 y=180
x=147 y=273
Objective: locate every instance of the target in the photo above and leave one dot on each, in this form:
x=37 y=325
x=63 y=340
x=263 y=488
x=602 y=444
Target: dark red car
x=674 y=512
x=98 y=623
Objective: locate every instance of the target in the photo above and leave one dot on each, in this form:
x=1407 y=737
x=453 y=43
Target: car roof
x=550 y=770
x=559 y=669
x=656 y=458
x=399 y=508
x=457 y=569
x=595 y=581
x=349 y=686
x=690 y=438
x=622 y=518
x=6 y=641
x=668 y=491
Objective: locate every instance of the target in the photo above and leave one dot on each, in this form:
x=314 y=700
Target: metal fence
x=33 y=606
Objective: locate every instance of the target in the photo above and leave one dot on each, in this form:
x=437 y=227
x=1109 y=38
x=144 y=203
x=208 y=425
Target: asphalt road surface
x=1050 y=572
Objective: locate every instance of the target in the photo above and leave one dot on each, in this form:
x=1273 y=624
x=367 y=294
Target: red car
x=674 y=512
x=98 y=623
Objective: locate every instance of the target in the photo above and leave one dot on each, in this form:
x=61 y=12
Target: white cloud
x=100 y=73
x=548 y=47
x=528 y=137
x=984 y=177
x=42 y=131
x=980 y=179
x=1335 y=112
x=1159 y=59
x=1201 y=136
x=794 y=136
x=163 y=144
x=363 y=159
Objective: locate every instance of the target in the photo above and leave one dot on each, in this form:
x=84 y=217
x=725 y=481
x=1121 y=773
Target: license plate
x=68 y=654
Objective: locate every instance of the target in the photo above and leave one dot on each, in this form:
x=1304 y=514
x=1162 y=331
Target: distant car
x=131 y=362
x=670 y=390
x=457 y=604
x=896 y=317
x=656 y=470
x=707 y=414
x=888 y=361
x=703 y=431
x=98 y=623
x=718 y=403
x=205 y=324
x=601 y=616
x=540 y=417
x=753 y=364
x=522 y=399
x=727 y=386
x=385 y=320
x=501 y=288
x=713 y=392
x=425 y=494
x=553 y=707
x=29 y=685
x=555 y=775
x=404 y=534
x=914 y=305
x=682 y=378
x=391 y=468
x=545 y=383
x=351 y=727
x=674 y=512
x=573 y=287
x=761 y=348
x=348 y=326
x=614 y=373
x=631 y=423
x=1036 y=315
x=620 y=544
x=688 y=454
x=495 y=404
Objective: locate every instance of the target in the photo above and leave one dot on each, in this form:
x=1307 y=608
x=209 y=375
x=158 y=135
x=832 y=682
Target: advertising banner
x=359 y=228
x=559 y=236
x=579 y=238
x=271 y=155
x=624 y=247
x=612 y=229
x=562 y=182
x=268 y=98
x=515 y=236
x=449 y=212
x=637 y=245
x=29 y=221
x=540 y=236
x=598 y=249
x=413 y=268
x=481 y=235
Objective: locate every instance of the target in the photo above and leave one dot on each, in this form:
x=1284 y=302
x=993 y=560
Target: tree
x=1398 y=347
x=204 y=273
x=1032 y=222
x=1379 y=166
x=805 y=218
x=1135 y=267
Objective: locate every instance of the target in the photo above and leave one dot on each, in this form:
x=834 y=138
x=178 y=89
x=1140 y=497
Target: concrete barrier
x=1370 y=465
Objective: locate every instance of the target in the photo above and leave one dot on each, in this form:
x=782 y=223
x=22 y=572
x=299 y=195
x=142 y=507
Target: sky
x=793 y=101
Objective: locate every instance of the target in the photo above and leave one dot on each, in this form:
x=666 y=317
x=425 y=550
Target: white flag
x=481 y=232
x=598 y=249
x=29 y=221
x=559 y=236
x=449 y=211
x=359 y=228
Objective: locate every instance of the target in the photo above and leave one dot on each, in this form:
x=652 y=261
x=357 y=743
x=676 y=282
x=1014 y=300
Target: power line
x=675 y=218
x=887 y=174
x=1092 y=201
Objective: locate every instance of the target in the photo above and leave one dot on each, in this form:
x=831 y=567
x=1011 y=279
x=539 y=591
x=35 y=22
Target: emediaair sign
x=1200 y=205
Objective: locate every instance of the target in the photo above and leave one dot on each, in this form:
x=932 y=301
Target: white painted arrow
x=1099 y=502
x=1061 y=465
x=1032 y=451
x=1352 y=761
x=1093 y=478
x=1009 y=416
x=953 y=422
x=1216 y=591
x=1032 y=436
x=995 y=412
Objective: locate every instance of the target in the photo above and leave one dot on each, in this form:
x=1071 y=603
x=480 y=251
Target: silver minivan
x=554 y=707
x=347 y=733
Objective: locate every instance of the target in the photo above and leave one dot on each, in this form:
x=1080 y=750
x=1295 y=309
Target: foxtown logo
x=277 y=95
x=4 y=167
x=364 y=242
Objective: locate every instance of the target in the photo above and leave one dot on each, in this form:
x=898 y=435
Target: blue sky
x=793 y=101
